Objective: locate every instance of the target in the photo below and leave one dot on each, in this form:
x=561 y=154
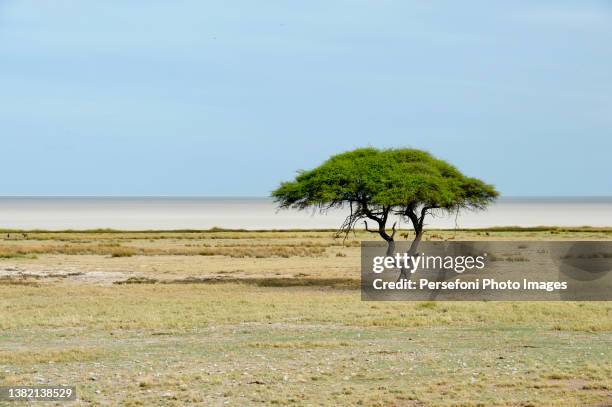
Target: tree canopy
x=377 y=183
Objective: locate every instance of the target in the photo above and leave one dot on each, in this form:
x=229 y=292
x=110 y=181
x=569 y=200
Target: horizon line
x=259 y=196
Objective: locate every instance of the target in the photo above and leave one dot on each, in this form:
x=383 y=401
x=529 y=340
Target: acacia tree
x=379 y=184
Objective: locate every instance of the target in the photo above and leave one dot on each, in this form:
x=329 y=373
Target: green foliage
x=376 y=182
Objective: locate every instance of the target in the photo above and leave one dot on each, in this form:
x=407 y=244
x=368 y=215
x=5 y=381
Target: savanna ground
x=275 y=318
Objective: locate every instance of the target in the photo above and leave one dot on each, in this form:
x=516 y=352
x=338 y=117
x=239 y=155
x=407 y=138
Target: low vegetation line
x=115 y=250
x=339 y=283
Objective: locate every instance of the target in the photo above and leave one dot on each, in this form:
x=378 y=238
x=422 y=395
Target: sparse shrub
x=137 y=280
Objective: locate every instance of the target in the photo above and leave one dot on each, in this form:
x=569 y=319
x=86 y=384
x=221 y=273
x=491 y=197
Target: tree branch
x=394 y=230
x=369 y=230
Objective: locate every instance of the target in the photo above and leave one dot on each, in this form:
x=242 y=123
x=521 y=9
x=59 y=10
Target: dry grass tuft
x=37 y=356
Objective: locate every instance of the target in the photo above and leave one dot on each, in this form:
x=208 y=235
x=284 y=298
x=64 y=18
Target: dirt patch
x=100 y=277
x=21 y=276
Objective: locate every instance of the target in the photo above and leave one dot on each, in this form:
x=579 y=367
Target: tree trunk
x=390 y=247
x=414 y=247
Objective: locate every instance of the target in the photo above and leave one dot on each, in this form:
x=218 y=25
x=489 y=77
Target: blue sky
x=230 y=98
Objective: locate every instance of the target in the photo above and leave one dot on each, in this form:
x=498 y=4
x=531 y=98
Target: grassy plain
x=275 y=318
